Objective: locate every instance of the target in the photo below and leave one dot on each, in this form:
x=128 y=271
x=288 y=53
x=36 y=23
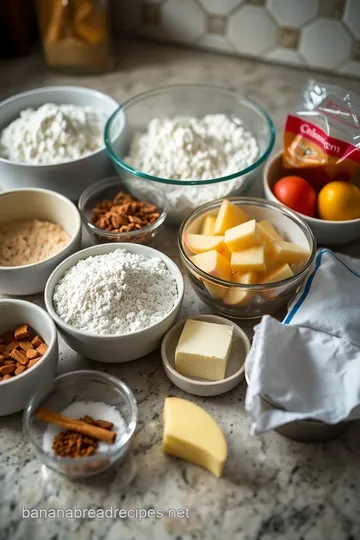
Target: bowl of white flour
x=52 y=138
x=199 y=142
x=115 y=302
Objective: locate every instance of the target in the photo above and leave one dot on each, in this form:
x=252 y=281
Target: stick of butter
x=190 y=433
x=203 y=350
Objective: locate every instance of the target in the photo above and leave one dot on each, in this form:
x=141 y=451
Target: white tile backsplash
x=322 y=34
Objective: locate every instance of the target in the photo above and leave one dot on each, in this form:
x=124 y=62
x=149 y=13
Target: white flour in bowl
x=189 y=148
x=52 y=134
x=115 y=293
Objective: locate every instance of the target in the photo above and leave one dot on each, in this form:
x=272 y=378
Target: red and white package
x=322 y=136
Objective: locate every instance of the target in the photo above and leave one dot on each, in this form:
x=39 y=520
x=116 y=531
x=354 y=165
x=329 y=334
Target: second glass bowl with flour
x=199 y=142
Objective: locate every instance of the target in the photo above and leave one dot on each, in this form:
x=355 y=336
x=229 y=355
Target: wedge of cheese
x=247 y=260
x=190 y=433
x=243 y=236
x=229 y=216
x=199 y=243
x=213 y=263
x=208 y=225
x=237 y=296
x=287 y=252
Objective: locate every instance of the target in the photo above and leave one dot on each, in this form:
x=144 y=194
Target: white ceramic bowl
x=327 y=233
x=16 y=392
x=195 y=385
x=71 y=177
x=37 y=204
x=114 y=348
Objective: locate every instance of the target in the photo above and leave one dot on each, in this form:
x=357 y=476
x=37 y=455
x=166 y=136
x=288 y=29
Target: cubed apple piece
x=199 y=243
x=208 y=225
x=229 y=216
x=247 y=260
x=287 y=252
x=216 y=291
x=213 y=263
x=243 y=236
x=268 y=232
x=279 y=274
x=224 y=250
x=236 y=297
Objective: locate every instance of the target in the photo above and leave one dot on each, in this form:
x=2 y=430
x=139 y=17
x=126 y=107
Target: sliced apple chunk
x=268 y=232
x=213 y=263
x=208 y=225
x=229 y=216
x=287 y=252
x=236 y=297
x=243 y=236
x=247 y=260
x=199 y=243
x=279 y=274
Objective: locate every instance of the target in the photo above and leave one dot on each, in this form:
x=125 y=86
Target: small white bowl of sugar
x=38 y=229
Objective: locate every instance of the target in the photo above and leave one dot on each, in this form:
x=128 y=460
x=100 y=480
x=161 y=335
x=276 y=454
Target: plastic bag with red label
x=322 y=136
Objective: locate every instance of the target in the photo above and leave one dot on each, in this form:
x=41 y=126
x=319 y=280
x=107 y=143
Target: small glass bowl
x=106 y=190
x=260 y=299
x=82 y=385
x=196 y=100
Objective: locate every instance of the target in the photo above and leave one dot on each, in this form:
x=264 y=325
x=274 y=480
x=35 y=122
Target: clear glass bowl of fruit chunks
x=246 y=257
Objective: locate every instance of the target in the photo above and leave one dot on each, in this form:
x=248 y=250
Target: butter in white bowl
x=203 y=350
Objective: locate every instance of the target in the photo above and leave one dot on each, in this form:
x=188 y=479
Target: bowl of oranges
x=330 y=208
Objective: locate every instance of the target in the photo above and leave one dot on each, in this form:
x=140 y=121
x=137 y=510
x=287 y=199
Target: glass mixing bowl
x=195 y=100
x=259 y=299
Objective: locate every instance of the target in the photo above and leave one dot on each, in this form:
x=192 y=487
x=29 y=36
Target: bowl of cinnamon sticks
x=83 y=424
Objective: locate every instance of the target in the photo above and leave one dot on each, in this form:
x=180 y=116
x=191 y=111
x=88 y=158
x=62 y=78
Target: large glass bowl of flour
x=199 y=142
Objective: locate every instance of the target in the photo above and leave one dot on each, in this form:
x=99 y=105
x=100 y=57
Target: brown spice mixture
x=72 y=444
x=19 y=351
x=29 y=241
x=124 y=214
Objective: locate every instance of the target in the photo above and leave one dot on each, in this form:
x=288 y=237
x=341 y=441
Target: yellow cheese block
x=208 y=225
x=243 y=236
x=268 y=232
x=236 y=297
x=190 y=433
x=248 y=260
x=287 y=252
x=282 y=272
x=199 y=243
x=213 y=263
x=229 y=216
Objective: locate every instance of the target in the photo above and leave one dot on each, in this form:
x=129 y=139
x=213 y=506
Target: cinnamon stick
x=71 y=424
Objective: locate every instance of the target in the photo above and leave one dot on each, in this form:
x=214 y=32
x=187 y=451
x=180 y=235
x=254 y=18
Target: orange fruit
x=339 y=201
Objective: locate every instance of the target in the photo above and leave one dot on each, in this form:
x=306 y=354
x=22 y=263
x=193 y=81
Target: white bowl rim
x=310 y=219
x=48 y=90
x=50 y=322
x=49 y=287
x=52 y=194
x=204 y=384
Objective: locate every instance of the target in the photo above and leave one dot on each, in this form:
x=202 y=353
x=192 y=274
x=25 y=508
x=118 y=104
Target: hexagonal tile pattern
x=184 y=20
x=325 y=43
x=293 y=12
x=251 y=30
x=220 y=7
x=352 y=16
x=285 y=56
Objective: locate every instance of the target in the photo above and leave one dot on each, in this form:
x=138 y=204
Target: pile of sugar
x=29 y=241
x=52 y=134
x=115 y=293
x=97 y=410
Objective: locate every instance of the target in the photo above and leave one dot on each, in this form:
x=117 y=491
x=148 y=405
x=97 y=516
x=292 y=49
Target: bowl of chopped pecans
x=28 y=353
x=117 y=211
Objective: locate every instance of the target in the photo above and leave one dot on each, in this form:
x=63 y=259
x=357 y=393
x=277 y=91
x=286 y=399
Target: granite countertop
x=271 y=487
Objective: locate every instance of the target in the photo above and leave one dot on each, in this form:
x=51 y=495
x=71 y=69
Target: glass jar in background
x=76 y=34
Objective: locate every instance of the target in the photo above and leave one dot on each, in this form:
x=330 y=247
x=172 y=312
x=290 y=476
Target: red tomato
x=297 y=194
